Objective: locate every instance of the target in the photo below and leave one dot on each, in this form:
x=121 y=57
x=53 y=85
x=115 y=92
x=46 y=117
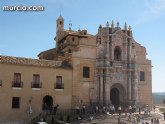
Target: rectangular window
x=17 y=77
x=59 y=83
x=86 y=72
x=17 y=80
x=36 y=78
x=16 y=102
x=142 y=76
x=36 y=81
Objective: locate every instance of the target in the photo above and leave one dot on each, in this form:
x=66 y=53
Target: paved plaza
x=114 y=119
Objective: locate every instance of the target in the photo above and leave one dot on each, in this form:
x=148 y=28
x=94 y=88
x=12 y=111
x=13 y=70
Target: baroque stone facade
x=109 y=67
x=118 y=65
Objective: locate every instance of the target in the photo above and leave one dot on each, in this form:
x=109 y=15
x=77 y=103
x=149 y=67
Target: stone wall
x=47 y=78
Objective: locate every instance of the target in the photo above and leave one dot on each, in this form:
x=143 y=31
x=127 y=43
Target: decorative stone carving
x=117 y=77
x=107 y=63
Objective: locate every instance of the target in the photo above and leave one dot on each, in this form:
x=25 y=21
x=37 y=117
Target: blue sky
x=26 y=34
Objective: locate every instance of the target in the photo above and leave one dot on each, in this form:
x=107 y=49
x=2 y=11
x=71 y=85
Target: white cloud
x=155 y=6
x=153 y=9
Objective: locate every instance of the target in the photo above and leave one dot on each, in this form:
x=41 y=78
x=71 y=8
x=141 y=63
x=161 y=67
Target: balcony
x=117 y=64
x=59 y=86
x=36 y=85
x=0 y=83
x=17 y=84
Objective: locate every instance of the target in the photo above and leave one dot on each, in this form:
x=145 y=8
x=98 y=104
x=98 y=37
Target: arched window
x=70 y=51
x=72 y=38
x=117 y=53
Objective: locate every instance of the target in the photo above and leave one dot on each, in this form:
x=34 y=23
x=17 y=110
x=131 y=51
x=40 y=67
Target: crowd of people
x=50 y=109
x=109 y=109
x=128 y=111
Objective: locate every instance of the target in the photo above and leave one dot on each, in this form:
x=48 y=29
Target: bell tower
x=60 y=23
x=59 y=30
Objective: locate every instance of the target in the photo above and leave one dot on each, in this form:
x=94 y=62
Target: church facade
x=107 y=68
x=123 y=73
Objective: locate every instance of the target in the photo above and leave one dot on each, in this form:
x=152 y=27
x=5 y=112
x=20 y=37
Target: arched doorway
x=118 y=95
x=47 y=102
x=115 y=97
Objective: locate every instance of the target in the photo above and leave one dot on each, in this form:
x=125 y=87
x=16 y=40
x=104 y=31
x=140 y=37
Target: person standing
x=125 y=110
x=83 y=109
x=157 y=121
x=119 y=109
x=77 y=110
x=152 y=121
x=130 y=109
x=110 y=109
x=55 y=108
x=134 y=108
x=154 y=108
x=139 y=110
x=113 y=109
x=103 y=109
x=97 y=109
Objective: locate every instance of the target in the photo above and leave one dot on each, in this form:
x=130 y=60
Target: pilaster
x=101 y=87
x=107 y=88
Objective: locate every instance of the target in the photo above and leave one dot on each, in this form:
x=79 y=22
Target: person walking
x=164 y=115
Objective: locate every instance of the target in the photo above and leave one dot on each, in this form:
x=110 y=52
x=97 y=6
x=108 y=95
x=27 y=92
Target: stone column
x=112 y=51
x=101 y=87
x=129 y=72
x=107 y=88
x=97 y=50
x=125 y=50
x=129 y=86
x=107 y=62
x=107 y=53
x=135 y=87
x=97 y=79
x=107 y=32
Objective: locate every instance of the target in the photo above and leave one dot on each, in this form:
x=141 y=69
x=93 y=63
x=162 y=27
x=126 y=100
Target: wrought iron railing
x=17 y=84
x=59 y=86
x=0 y=83
x=36 y=85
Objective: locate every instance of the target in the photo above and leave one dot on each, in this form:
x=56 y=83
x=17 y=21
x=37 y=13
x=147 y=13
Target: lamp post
x=29 y=110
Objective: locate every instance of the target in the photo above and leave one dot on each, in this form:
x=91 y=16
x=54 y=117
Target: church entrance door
x=115 y=97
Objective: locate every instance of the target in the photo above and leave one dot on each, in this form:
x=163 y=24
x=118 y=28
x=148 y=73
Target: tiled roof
x=29 y=61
